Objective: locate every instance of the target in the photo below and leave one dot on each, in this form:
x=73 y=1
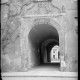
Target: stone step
x=45 y=75
x=37 y=78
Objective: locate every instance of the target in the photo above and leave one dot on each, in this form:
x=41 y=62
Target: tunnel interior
x=49 y=47
x=42 y=38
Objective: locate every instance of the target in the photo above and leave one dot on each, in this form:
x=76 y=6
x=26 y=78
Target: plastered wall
x=11 y=57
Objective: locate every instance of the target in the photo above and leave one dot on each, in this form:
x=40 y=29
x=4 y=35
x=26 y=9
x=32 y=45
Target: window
x=58 y=55
x=54 y=56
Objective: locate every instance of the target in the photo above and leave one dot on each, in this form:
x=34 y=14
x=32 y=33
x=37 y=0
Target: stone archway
x=45 y=45
x=55 y=25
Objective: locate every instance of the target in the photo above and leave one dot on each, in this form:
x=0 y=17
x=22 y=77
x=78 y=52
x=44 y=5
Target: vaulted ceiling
x=42 y=32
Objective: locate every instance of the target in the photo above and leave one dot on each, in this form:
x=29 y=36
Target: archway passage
x=49 y=48
x=42 y=38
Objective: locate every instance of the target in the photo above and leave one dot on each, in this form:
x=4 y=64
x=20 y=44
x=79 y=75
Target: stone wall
x=12 y=58
x=33 y=55
x=10 y=41
x=71 y=42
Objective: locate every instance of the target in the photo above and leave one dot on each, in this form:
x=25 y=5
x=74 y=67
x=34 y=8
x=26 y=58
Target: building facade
x=19 y=51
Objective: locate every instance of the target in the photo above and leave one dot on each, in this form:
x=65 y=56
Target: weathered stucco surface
x=71 y=50
x=16 y=24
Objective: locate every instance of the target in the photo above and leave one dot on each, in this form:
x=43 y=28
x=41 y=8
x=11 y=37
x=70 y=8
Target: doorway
x=42 y=38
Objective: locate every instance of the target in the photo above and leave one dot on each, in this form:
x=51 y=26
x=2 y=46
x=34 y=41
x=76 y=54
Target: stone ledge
x=43 y=15
x=41 y=74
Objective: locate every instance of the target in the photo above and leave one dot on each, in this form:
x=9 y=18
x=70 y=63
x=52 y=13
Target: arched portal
x=48 y=44
x=37 y=36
